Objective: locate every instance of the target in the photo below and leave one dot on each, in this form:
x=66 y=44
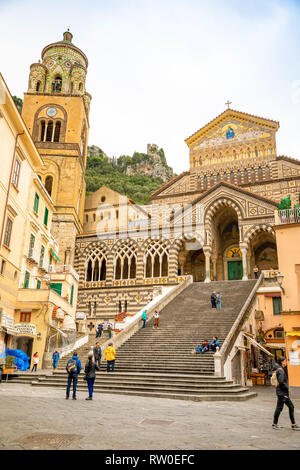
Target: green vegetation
x=111 y=172
x=18 y=103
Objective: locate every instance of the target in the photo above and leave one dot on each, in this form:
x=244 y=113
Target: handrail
x=72 y=347
x=230 y=339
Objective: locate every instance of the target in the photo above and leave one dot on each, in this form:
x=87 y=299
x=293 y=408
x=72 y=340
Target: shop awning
x=257 y=345
x=293 y=333
x=53 y=252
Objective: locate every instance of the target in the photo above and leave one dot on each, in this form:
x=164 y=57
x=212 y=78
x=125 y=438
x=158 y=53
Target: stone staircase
x=159 y=362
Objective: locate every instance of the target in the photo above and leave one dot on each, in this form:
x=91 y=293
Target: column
x=173 y=263
x=243 y=249
x=207 y=254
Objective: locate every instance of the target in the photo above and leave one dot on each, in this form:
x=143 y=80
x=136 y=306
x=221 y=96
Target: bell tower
x=56 y=112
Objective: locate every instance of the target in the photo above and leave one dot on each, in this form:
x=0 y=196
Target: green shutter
x=276 y=305
x=36 y=203
x=42 y=255
x=72 y=294
x=26 y=281
x=38 y=284
x=46 y=216
x=57 y=287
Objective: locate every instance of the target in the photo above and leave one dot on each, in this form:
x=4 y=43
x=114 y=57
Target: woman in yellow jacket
x=110 y=356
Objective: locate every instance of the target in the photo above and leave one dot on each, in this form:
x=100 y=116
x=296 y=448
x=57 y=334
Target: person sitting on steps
x=214 y=344
x=204 y=347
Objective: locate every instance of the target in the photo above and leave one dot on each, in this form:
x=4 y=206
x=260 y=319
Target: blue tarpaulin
x=22 y=361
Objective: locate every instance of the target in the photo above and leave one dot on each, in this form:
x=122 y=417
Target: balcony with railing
x=63 y=269
x=287 y=216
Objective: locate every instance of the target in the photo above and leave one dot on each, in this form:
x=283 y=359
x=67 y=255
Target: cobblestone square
x=118 y=422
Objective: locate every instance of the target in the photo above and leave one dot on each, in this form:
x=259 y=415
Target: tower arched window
x=267 y=173
x=43 y=127
x=72 y=87
x=57 y=84
x=49 y=131
x=252 y=175
x=232 y=177
x=49 y=184
x=38 y=86
x=225 y=176
x=246 y=176
x=260 y=174
x=57 y=131
x=205 y=182
x=238 y=177
x=218 y=177
x=212 y=180
x=80 y=86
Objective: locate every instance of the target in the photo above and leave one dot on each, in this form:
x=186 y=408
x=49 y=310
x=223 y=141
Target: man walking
x=144 y=318
x=213 y=299
x=73 y=368
x=97 y=354
x=110 y=356
x=282 y=392
x=55 y=358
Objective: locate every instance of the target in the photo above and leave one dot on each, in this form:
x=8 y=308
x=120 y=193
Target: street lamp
x=280 y=280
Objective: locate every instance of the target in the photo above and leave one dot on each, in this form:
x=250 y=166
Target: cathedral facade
x=214 y=222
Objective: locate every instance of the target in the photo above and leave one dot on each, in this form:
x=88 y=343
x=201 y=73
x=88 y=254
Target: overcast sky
x=160 y=70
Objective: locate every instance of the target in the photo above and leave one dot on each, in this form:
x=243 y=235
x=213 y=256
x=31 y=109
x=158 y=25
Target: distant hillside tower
x=56 y=112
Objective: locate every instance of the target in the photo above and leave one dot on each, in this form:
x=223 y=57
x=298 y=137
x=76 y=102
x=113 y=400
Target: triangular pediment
x=249 y=205
x=231 y=126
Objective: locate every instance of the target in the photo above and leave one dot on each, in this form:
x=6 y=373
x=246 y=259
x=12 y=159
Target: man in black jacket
x=282 y=392
x=97 y=354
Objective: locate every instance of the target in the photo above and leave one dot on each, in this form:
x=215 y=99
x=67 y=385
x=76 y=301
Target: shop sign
x=25 y=328
x=7 y=320
x=294 y=358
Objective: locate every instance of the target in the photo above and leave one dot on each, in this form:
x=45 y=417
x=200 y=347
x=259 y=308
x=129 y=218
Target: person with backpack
x=97 y=354
x=90 y=375
x=279 y=380
x=109 y=331
x=99 y=330
x=73 y=368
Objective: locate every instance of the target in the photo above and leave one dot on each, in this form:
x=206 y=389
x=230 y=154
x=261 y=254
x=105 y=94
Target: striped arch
x=211 y=211
x=178 y=243
x=253 y=231
x=215 y=206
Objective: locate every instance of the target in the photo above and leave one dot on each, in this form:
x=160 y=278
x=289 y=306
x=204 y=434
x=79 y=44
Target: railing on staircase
x=230 y=340
x=74 y=346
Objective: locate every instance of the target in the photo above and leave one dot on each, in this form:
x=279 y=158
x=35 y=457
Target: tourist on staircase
x=110 y=356
x=214 y=344
x=144 y=318
x=219 y=301
x=97 y=354
x=156 y=317
x=204 y=347
x=73 y=368
x=90 y=375
x=213 y=299
x=99 y=330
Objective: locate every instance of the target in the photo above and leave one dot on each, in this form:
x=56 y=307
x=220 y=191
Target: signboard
x=25 y=329
x=294 y=358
